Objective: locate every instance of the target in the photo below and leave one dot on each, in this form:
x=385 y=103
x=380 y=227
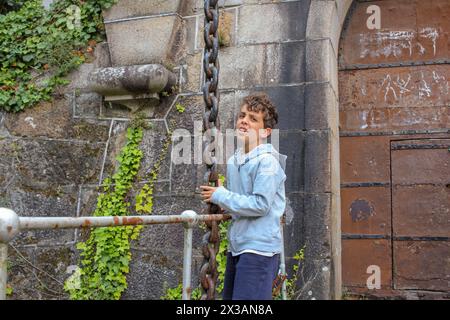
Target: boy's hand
x=207 y=192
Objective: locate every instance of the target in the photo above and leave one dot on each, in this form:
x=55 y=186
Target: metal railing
x=11 y=224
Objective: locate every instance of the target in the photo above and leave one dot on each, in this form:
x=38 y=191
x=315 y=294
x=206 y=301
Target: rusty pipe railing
x=11 y=224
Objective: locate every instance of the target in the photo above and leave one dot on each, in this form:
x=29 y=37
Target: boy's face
x=250 y=125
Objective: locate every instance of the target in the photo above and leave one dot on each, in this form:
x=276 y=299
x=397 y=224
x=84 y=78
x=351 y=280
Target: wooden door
x=394 y=145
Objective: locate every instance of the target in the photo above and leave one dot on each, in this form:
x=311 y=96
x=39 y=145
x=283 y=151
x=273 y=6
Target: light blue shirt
x=255 y=198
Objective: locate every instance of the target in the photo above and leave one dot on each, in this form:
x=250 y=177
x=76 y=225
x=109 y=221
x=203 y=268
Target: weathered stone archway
x=324 y=25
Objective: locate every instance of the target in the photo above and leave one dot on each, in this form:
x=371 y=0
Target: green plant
x=144 y=199
x=106 y=254
x=40 y=47
x=176 y=293
x=221 y=257
x=180 y=108
x=291 y=283
x=9 y=290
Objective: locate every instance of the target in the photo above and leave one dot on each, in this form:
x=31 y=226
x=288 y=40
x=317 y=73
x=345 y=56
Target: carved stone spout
x=132 y=86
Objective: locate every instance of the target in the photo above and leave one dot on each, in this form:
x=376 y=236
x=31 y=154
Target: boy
x=255 y=198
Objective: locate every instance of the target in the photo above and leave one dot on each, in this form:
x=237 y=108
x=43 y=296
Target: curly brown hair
x=260 y=101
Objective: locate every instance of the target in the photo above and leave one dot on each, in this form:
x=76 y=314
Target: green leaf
x=28 y=57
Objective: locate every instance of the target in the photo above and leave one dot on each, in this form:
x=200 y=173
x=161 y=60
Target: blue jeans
x=250 y=276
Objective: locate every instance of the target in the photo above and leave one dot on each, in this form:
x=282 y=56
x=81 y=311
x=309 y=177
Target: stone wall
x=56 y=154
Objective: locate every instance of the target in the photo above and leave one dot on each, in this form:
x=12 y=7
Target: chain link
x=211 y=240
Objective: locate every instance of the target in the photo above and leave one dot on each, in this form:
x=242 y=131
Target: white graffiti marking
x=389 y=87
x=403 y=84
x=424 y=89
x=432 y=34
x=398 y=86
x=393 y=43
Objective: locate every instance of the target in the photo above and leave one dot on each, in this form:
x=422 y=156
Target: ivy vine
x=144 y=199
x=40 y=47
x=106 y=254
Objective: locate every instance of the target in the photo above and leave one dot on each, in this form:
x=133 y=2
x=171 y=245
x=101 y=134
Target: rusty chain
x=211 y=240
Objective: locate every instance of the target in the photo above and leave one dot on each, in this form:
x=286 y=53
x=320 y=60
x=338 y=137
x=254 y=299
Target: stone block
x=21 y=276
x=242 y=67
x=228 y=106
x=227 y=29
x=285 y=63
x=289 y=101
x=317 y=161
x=9 y=149
x=102 y=55
x=53 y=202
x=3 y=131
x=191 y=73
x=86 y=105
x=55 y=262
x=194 y=25
x=152 y=272
x=79 y=78
x=314 y=281
x=198 y=5
x=336 y=246
x=294 y=227
x=191 y=109
x=310 y=229
x=170 y=236
x=140 y=8
x=41 y=276
x=322 y=62
x=292 y=144
x=317 y=226
x=259 y=65
x=87 y=200
x=117 y=140
x=151 y=146
x=272 y=22
x=71 y=163
x=321 y=110
x=54 y=120
x=324 y=22
x=131 y=43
